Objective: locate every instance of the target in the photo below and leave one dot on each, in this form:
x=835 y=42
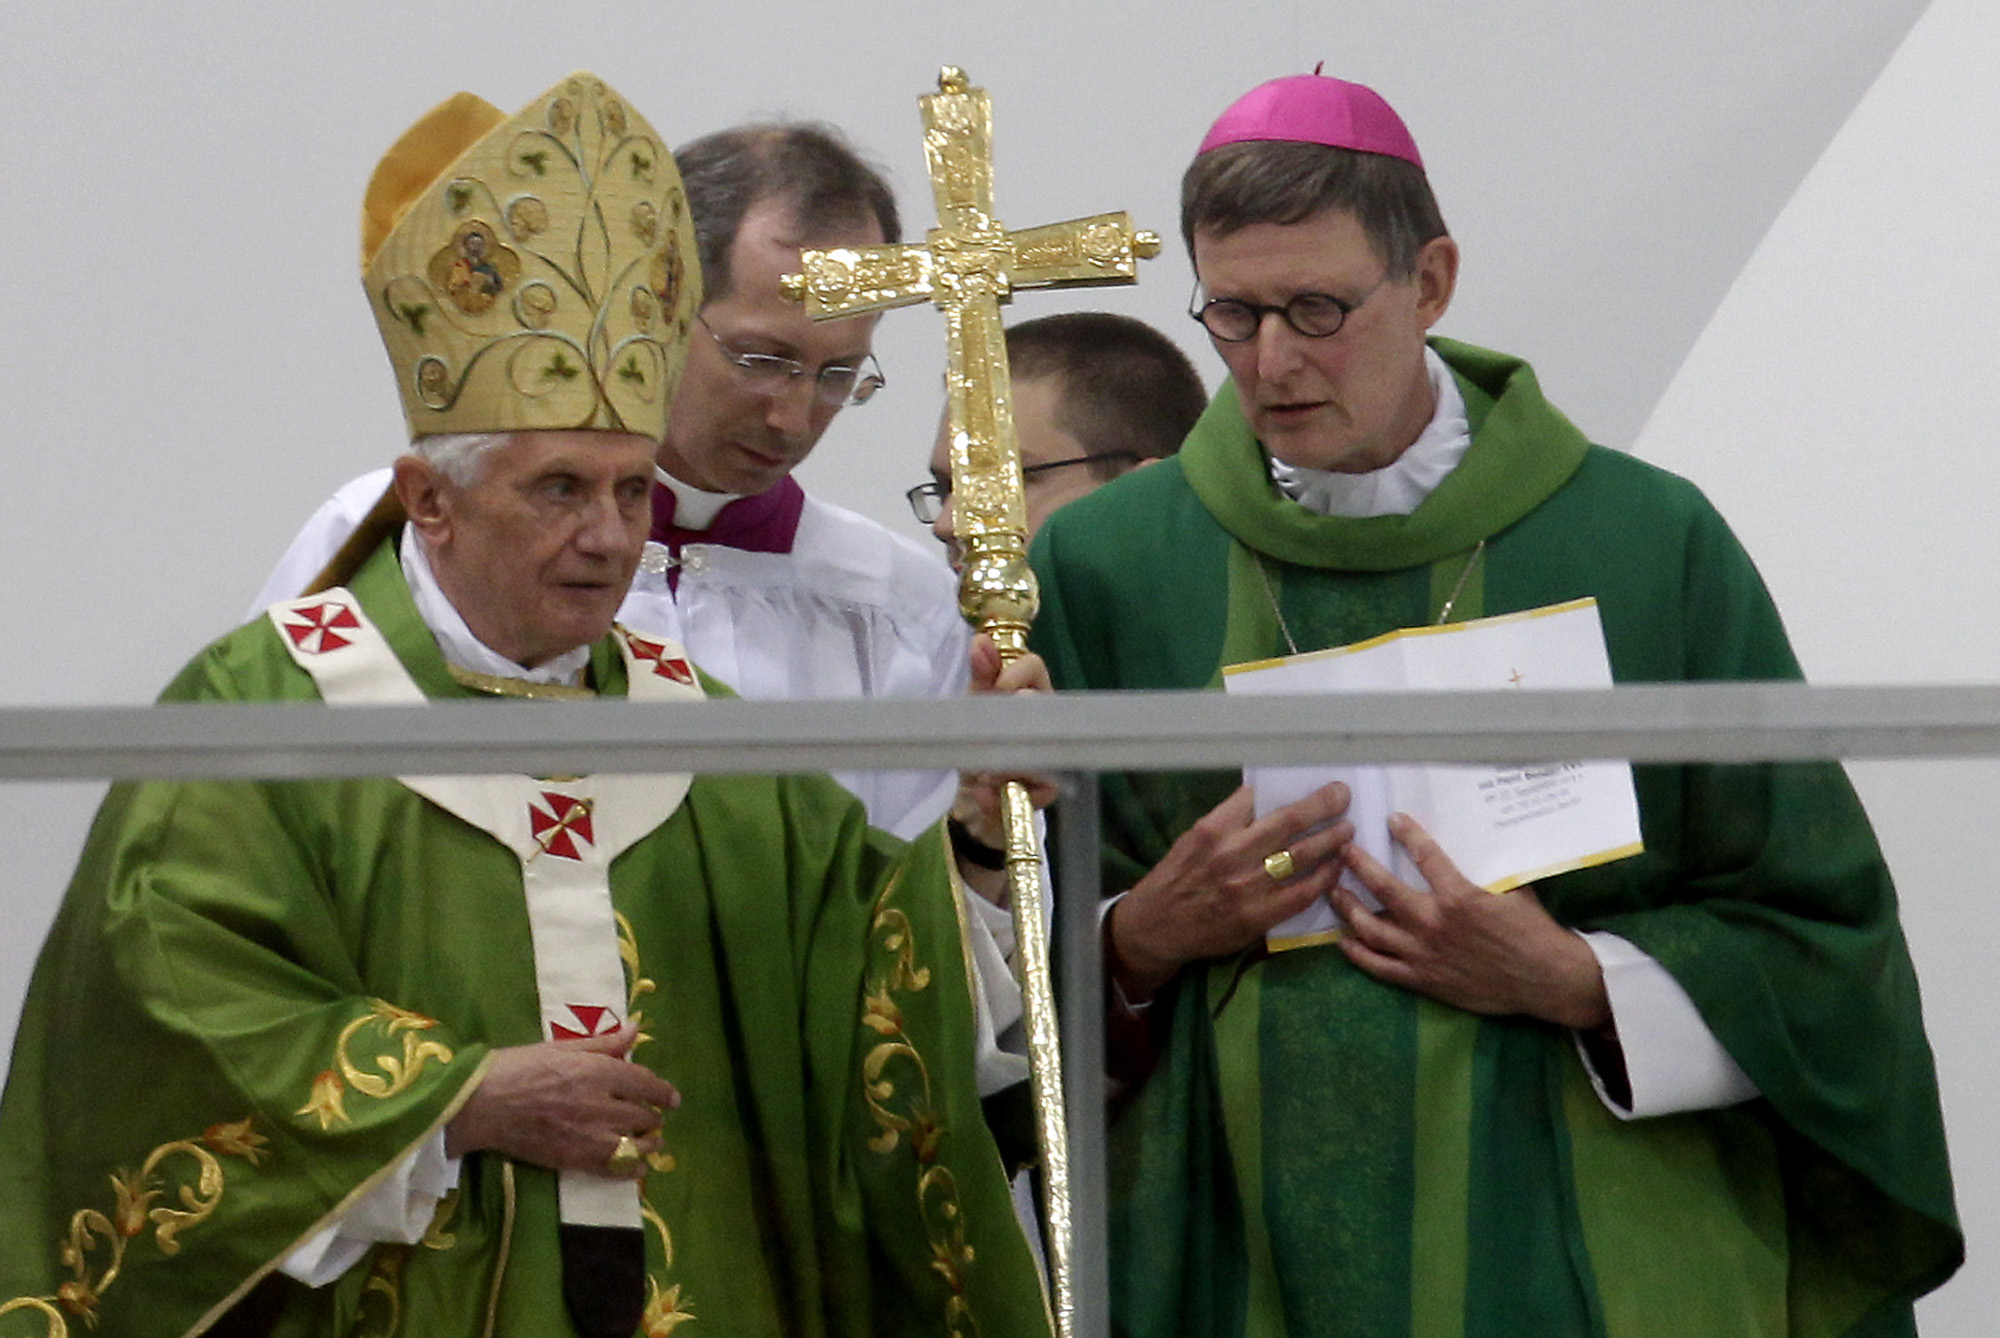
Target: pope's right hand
x=564 y=1104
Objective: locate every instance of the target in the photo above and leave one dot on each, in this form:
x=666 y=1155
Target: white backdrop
x=187 y=366
x=1837 y=410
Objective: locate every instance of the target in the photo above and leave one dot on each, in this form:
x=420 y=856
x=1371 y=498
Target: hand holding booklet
x=1502 y=826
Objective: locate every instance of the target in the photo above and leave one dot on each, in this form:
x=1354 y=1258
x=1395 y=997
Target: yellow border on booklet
x=1568 y=606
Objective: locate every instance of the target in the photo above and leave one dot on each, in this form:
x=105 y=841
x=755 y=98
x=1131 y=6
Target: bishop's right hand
x=1225 y=883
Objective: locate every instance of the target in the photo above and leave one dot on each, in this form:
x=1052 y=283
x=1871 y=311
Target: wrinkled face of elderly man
x=535 y=538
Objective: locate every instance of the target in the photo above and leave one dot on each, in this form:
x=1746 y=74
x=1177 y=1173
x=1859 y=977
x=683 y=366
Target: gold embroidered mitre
x=532 y=272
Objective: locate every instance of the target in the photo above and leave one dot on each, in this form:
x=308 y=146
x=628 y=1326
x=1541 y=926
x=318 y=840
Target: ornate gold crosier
x=969 y=264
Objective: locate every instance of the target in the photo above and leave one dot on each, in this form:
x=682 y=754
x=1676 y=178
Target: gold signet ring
x=1280 y=866
x=624 y=1158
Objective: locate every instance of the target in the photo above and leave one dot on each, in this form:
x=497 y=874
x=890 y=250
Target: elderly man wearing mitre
x=1682 y=1093
x=343 y=1056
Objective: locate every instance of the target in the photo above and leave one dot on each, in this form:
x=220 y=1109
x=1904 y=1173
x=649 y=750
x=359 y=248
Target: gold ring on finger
x=624 y=1158
x=1280 y=865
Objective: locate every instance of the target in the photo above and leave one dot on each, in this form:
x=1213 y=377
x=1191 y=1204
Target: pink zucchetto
x=1315 y=109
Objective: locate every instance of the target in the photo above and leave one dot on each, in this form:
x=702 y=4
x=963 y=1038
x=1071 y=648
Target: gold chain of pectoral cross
x=969 y=265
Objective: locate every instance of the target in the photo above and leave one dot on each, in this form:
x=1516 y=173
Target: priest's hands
x=1465 y=946
x=976 y=810
x=565 y=1104
x=1215 y=895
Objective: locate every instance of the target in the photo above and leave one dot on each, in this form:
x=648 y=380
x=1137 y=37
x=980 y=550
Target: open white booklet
x=1503 y=826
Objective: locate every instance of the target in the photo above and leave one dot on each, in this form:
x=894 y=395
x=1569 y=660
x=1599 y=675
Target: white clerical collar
x=694 y=509
x=1400 y=487
x=456 y=640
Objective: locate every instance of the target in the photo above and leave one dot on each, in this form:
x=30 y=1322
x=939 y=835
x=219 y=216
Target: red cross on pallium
x=594 y=1019
x=314 y=634
x=665 y=665
x=558 y=828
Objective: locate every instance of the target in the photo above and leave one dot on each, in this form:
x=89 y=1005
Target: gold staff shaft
x=997 y=594
x=969 y=265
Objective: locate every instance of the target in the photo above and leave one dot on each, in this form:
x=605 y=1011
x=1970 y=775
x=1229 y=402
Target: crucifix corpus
x=969 y=264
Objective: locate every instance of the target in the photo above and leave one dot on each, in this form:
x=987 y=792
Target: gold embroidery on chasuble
x=638 y=986
x=494 y=685
x=896 y=1083
x=54 y=1326
x=667 y=1306
x=439 y=1236
x=379 y=1313
x=94 y=1248
x=393 y=1072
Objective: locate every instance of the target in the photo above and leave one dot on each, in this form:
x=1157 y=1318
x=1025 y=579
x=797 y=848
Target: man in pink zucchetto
x=1686 y=1092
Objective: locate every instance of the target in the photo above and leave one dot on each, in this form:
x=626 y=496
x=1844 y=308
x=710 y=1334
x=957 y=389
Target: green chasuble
x=257 y=997
x=1318 y=1154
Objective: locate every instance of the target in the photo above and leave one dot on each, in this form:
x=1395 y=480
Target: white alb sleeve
x=1673 y=1061
x=398 y=1210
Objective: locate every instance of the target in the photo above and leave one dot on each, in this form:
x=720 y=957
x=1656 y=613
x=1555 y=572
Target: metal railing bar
x=1080 y=982
x=1734 y=722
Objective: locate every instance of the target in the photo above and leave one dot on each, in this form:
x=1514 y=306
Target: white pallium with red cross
x=565 y=832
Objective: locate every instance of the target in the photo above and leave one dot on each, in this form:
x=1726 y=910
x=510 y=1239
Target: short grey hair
x=459 y=456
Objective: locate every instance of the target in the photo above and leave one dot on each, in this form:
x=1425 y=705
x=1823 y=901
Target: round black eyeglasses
x=1314 y=315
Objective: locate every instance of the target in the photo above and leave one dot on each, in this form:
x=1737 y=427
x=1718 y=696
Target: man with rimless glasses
x=1686 y=1092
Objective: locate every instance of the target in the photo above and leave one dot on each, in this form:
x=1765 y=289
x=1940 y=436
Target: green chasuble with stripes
x=259 y=995
x=1320 y=1155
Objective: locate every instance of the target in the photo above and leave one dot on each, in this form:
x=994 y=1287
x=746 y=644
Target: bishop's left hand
x=1465 y=946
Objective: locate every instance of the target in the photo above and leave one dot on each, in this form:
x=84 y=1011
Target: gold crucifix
x=969 y=265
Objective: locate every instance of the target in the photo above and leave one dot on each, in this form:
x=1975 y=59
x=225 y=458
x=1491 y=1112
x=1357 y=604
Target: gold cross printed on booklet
x=969 y=265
